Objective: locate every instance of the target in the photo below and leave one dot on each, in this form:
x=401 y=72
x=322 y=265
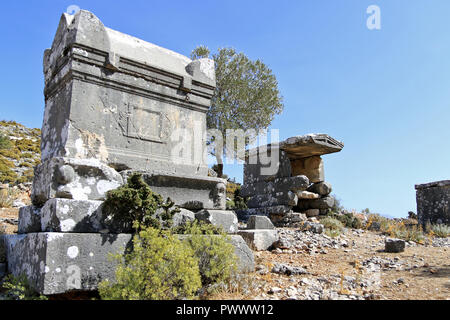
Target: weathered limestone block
x=271 y=212
x=183 y=217
x=2 y=249
x=433 y=202
x=312 y=212
x=394 y=245
x=60 y=262
x=136 y=95
x=313 y=144
x=312 y=167
x=245 y=257
x=285 y=184
x=312 y=226
x=68 y=215
x=259 y=222
x=321 y=188
x=190 y=192
x=221 y=218
x=269 y=200
x=321 y=203
x=259 y=171
x=259 y=239
x=78 y=179
x=307 y=195
x=29 y=219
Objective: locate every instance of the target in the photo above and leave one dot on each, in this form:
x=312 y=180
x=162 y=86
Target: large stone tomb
x=114 y=105
x=298 y=183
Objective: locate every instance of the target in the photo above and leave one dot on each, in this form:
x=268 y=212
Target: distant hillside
x=19 y=152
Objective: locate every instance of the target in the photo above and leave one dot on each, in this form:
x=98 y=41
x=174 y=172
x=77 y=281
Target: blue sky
x=384 y=93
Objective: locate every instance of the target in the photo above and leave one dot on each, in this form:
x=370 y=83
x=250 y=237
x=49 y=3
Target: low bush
x=439 y=230
x=7 y=196
x=211 y=246
x=159 y=267
x=347 y=219
x=136 y=205
x=332 y=223
x=333 y=227
x=18 y=288
x=164 y=262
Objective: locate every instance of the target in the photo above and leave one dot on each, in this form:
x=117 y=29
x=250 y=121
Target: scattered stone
x=259 y=222
x=321 y=188
x=307 y=195
x=286 y=269
x=312 y=212
x=322 y=203
x=259 y=239
x=183 y=217
x=375 y=226
x=313 y=227
x=274 y=290
x=221 y=218
x=394 y=245
x=18 y=204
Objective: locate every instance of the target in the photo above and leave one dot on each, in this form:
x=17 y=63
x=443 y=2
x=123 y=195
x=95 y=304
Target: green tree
x=246 y=96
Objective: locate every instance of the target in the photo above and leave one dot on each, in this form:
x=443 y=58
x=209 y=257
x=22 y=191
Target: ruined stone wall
x=433 y=200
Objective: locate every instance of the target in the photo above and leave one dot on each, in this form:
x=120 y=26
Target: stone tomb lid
x=441 y=183
x=86 y=30
x=308 y=145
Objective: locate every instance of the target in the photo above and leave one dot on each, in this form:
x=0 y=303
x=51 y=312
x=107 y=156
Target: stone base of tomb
x=56 y=262
x=89 y=179
x=191 y=192
x=59 y=262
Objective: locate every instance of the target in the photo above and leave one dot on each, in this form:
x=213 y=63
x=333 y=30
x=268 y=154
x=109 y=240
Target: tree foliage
x=159 y=267
x=135 y=204
x=246 y=95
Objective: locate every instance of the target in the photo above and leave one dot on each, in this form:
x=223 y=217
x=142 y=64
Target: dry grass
x=7 y=196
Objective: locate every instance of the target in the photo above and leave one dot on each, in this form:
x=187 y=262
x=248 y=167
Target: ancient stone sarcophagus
x=124 y=103
x=114 y=105
x=297 y=181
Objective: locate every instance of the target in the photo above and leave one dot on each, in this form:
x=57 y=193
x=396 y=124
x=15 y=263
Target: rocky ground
x=352 y=266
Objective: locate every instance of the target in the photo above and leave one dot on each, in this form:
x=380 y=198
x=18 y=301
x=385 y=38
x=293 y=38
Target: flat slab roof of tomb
x=118 y=99
x=308 y=145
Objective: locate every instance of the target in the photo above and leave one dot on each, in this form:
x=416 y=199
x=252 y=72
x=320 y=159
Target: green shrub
x=332 y=233
x=5 y=143
x=337 y=208
x=384 y=222
x=7 y=196
x=440 y=230
x=230 y=204
x=18 y=288
x=348 y=219
x=135 y=204
x=332 y=223
x=211 y=246
x=7 y=175
x=159 y=267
